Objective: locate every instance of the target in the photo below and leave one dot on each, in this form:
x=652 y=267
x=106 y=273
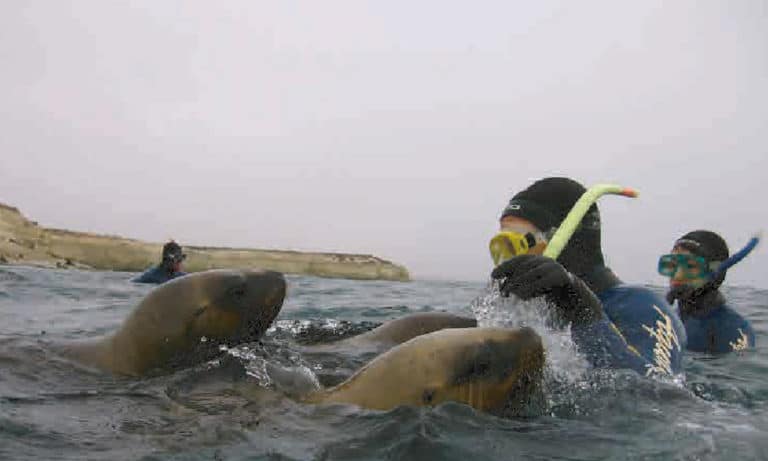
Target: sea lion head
x=187 y=319
x=239 y=306
x=490 y=369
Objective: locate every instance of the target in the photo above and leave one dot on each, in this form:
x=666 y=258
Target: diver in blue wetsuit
x=169 y=267
x=613 y=324
x=711 y=324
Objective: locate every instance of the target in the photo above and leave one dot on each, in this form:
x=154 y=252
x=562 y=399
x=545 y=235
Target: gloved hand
x=529 y=276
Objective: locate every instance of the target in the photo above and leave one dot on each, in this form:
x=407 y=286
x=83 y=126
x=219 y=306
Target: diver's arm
x=605 y=347
x=595 y=335
x=649 y=325
x=529 y=276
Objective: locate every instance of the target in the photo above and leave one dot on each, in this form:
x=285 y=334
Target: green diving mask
x=692 y=266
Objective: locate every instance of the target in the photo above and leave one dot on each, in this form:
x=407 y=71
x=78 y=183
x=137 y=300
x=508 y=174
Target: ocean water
x=52 y=409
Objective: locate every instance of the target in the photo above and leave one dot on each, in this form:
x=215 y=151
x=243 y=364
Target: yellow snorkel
x=571 y=222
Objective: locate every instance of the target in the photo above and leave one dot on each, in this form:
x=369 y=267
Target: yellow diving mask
x=507 y=244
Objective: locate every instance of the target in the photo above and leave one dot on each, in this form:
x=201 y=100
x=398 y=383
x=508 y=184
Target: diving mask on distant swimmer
x=507 y=244
x=690 y=266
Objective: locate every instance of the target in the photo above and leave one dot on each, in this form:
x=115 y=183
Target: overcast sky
x=396 y=128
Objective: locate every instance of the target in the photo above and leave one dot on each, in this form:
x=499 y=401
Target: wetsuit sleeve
x=149 y=276
x=649 y=326
x=597 y=337
x=604 y=346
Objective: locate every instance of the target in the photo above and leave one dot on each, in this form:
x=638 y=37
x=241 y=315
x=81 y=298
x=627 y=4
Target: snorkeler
x=169 y=267
x=614 y=324
x=695 y=276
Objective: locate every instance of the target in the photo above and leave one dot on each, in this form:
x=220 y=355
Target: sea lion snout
x=267 y=289
x=264 y=293
x=520 y=347
x=528 y=337
x=244 y=304
x=512 y=349
x=532 y=348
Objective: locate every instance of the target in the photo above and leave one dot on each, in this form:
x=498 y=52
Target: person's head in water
x=694 y=257
x=538 y=211
x=172 y=256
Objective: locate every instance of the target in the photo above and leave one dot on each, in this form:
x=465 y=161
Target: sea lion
x=402 y=329
x=397 y=331
x=185 y=320
x=491 y=369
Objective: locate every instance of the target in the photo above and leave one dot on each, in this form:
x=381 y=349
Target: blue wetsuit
x=713 y=326
x=157 y=274
x=649 y=325
x=639 y=331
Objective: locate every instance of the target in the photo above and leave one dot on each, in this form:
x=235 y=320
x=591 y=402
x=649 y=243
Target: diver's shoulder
x=631 y=291
x=151 y=275
x=638 y=302
x=727 y=314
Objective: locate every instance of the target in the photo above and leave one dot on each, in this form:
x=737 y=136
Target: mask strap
x=530 y=239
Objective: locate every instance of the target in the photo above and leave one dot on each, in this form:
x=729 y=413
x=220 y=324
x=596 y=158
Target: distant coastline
x=24 y=242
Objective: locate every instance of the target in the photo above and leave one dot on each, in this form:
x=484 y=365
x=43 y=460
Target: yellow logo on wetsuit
x=666 y=339
x=741 y=343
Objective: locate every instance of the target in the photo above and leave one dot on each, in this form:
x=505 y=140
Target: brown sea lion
x=402 y=329
x=183 y=322
x=491 y=369
x=397 y=331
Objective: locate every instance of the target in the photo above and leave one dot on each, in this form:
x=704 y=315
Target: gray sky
x=395 y=128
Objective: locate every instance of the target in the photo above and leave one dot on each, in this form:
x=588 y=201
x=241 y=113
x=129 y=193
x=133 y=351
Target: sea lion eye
x=428 y=396
x=482 y=367
x=238 y=291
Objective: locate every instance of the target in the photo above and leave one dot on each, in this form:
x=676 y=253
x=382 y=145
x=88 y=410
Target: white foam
x=563 y=360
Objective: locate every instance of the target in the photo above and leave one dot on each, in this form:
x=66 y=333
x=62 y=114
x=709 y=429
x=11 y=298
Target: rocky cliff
x=25 y=242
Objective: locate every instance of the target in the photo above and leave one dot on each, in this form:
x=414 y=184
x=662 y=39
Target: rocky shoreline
x=24 y=242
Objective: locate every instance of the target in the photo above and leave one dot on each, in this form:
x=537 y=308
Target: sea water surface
x=52 y=409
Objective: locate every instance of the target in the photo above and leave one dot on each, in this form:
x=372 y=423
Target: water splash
x=564 y=363
x=281 y=369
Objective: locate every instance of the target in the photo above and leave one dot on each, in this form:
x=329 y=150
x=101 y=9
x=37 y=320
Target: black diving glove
x=531 y=276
